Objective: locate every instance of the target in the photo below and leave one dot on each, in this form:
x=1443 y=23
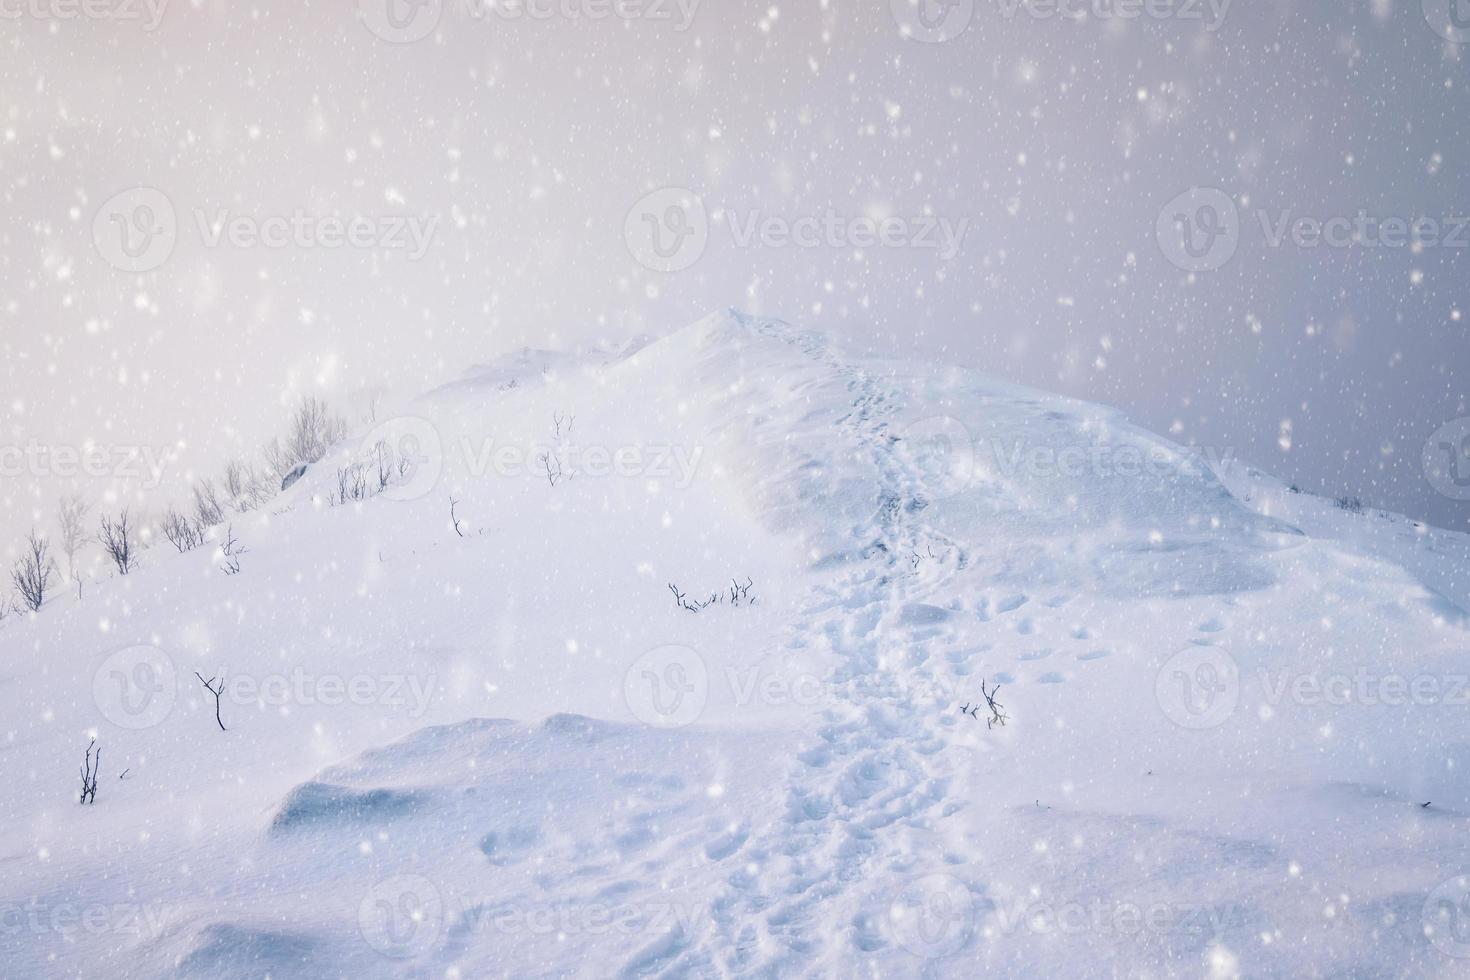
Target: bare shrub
x=181 y=532
x=232 y=549
x=208 y=511
x=352 y=483
x=90 y=768
x=71 y=515
x=118 y=541
x=245 y=489
x=32 y=572
x=313 y=429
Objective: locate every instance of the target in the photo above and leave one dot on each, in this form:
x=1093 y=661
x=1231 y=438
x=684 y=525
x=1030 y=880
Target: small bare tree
x=232 y=549
x=118 y=541
x=207 y=509
x=313 y=429
x=180 y=531
x=32 y=571
x=217 y=688
x=244 y=487
x=71 y=516
x=90 y=768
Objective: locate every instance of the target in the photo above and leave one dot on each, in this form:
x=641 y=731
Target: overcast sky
x=1033 y=165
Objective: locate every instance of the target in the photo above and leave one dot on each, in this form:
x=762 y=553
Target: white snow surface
x=550 y=769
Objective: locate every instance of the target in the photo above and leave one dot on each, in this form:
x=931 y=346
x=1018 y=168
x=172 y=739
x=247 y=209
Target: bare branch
x=32 y=572
x=217 y=689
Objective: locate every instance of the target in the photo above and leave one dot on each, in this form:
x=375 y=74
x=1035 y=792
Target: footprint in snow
x=1094 y=655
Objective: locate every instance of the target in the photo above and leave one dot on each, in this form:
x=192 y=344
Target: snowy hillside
x=506 y=749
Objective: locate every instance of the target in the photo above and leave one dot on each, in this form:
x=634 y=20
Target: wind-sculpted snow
x=1016 y=689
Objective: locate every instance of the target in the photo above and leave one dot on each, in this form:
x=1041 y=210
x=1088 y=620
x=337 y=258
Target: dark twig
x=90 y=767
x=454 y=517
x=217 y=689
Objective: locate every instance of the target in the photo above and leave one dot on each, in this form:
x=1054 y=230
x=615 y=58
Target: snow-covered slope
x=507 y=750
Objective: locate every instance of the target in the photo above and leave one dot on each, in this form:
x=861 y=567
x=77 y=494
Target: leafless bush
x=232 y=550
x=553 y=468
x=71 y=515
x=997 y=710
x=90 y=768
x=32 y=572
x=352 y=483
x=181 y=532
x=245 y=489
x=117 y=540
x=313 y=430
x=208 y=511
x=736 y=595
x=383 y=457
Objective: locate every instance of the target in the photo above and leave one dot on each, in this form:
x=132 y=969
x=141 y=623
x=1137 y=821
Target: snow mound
x=1229 y=734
